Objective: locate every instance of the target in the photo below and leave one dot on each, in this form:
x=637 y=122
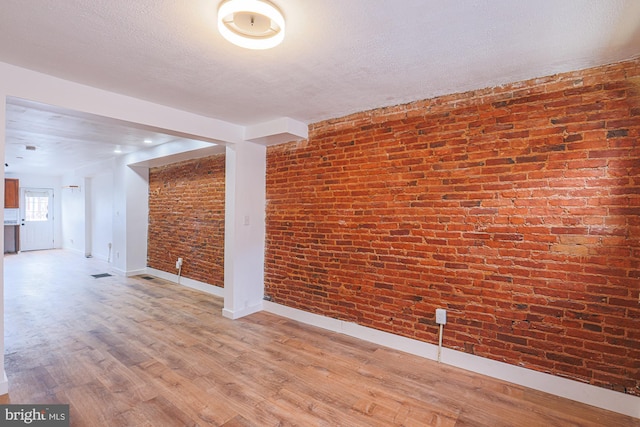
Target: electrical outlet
x=441 y=316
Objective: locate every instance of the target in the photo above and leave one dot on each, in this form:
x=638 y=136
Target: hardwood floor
x=136 y=352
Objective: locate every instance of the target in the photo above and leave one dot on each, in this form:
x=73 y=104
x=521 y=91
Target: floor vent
x=99 y=276
x=147 y=277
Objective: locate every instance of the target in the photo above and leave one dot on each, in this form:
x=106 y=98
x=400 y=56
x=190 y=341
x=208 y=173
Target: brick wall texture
x=186 y=218
x=516 y=208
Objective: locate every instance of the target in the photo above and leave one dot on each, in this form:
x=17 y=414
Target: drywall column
x=244 y=229
x=88 y=245
x=137 y=179
x=4 y=384
x=130 y=216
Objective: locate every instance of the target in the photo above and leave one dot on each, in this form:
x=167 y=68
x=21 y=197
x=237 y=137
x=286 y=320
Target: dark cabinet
x=11 y=193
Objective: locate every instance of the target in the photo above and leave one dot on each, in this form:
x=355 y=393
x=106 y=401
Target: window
x=36 y=206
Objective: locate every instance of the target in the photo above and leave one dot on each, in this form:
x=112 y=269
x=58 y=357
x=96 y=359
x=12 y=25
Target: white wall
x=101 y=215
x=4 y=382
x=73 y=214
x=137 y=218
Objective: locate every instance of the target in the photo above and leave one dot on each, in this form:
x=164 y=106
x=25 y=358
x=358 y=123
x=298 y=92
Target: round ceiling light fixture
x=252 y=24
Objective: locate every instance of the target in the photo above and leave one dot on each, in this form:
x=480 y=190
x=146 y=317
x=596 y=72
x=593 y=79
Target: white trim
x=118 y=271
x=130 y=273
x=585 y=393
x=277 y=131
x=184 y=281
x=236 y=314
x=4 y=384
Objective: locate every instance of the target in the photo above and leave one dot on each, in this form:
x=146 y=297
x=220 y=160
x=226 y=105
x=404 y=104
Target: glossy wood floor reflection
x=136 y=352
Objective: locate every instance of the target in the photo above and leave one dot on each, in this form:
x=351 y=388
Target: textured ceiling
x=338 y=56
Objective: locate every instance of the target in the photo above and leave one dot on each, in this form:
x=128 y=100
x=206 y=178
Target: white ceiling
x=60 y=140
x=338 y=56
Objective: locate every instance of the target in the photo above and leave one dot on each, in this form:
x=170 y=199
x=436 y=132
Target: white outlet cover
x=441 y=316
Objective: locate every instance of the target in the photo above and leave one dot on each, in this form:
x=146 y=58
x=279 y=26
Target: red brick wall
x=186 y=218
x=516 y=208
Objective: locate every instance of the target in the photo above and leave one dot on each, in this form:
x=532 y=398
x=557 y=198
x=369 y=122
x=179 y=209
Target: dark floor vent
x=147 y=277
x=99 y=276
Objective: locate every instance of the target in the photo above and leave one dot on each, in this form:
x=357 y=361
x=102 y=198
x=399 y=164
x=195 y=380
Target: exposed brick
x=515 y=207
x=617 y=133
x=186 y=219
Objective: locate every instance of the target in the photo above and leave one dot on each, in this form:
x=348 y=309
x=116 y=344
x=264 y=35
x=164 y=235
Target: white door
x=36 y=231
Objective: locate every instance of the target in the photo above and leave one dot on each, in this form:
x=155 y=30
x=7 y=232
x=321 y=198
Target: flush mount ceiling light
x=252 y=24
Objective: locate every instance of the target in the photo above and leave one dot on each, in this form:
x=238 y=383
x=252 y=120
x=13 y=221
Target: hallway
x=146 y=352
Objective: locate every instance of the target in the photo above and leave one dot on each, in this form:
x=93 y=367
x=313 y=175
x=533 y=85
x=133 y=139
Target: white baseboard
x=236 y=314
x=130 y=273
x=574 y=390
x=184 y=281
x=119 y=271
x=4 y=384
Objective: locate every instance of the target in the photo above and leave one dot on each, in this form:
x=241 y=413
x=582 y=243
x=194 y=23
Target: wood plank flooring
x=135 y=352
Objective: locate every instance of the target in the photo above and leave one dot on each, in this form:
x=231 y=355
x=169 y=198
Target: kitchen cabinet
x=11 y=239
x=11 y=193
x=11 y=215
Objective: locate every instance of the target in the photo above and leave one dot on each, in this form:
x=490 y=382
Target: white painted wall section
x=137 y=219
x=88 y=219
x=130 y=219
x=102 y=215
x=4 y=383
x=73 y=213
x=244 y=229
x=119 y=253
x=173 y=152
x=278 y=131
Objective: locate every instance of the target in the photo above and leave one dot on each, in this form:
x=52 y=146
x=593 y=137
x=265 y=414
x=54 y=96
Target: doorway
x=36 y=219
